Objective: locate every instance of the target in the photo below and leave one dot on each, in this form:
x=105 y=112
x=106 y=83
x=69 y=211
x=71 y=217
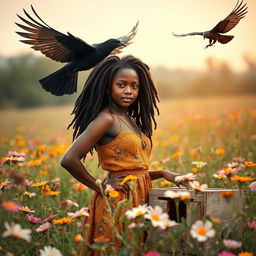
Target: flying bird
x=223 y=26
x=69 y=49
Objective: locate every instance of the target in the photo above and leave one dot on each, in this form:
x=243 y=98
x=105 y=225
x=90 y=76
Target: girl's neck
x=119 y=110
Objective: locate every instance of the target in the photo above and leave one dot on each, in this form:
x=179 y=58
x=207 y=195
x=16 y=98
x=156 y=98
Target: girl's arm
x=71 y=160
x=170 y=176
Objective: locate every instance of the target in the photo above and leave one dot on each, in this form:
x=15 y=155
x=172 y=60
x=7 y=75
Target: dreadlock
x=96 y=95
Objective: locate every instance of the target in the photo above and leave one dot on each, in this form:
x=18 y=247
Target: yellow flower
x=26 y=193
x=216 y=220
x=127 y=178
x=176 y=154
x=220 y=151
x=52 y=193
x=114 y=193
x=154 y=164
x=39 y=184
x=63 y=220
x=165 y=183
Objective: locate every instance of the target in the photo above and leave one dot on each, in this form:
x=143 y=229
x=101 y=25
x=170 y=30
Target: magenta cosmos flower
x=152 y=254
x=226 y=254
x=33 y=219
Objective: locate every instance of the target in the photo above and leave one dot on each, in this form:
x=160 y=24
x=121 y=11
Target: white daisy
x=50 y=251
x=80 y=213
x=136 y=211
x=196 y=185
x=16 y=231
x=199 y=164
x=202 y=231
x=157 y=217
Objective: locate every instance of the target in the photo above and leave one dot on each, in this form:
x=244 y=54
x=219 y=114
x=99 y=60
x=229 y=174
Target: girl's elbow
x=65 y=160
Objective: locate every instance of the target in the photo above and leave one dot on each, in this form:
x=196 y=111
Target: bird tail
x=60 y=82
x=224 y=39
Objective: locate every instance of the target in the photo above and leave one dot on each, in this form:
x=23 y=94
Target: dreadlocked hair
x=96 y=95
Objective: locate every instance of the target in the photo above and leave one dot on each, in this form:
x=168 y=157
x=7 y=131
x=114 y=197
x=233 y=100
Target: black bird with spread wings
x=223 y=26
x=67 y=48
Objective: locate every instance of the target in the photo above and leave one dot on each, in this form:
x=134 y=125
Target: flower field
x=42 y=206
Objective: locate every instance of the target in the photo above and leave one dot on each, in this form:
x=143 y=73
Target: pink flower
x=68 y=203
x=109 y=188
x=232 y=244
x=43 y=227
x=252 y=224
x=226 y=254
x=50 y=218
x=79 y=224
x=16 y=154
x=252 y=186
x=10 y=206
x=239 y=159
x=152 y=254
x=33 y=219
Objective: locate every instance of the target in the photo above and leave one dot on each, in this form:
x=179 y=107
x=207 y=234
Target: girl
x=114 y=116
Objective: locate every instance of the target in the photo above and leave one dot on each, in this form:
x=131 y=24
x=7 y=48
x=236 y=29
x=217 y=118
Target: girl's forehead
x=126 y=72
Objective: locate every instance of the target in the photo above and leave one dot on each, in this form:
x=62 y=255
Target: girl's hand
x=179 y=180
x=114 y=182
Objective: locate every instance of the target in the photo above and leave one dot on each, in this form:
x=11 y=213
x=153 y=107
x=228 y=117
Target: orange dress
x=123 y=155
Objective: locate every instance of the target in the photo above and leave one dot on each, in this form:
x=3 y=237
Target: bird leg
x=211 y=43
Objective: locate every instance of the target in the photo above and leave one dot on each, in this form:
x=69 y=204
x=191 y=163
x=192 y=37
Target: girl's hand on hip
x=114 y=182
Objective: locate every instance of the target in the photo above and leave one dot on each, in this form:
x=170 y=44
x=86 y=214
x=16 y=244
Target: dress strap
x=120 y=123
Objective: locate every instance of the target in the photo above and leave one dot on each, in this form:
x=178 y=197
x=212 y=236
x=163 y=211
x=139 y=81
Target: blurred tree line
x=19 y=86
x=218 y=79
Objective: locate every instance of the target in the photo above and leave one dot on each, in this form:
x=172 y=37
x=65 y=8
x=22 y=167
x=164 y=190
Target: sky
x=95 y=21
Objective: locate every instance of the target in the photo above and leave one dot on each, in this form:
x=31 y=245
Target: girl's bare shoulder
x=106 y=117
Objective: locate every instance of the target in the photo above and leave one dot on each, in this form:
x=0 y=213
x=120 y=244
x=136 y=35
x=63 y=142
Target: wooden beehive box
x=201 y=203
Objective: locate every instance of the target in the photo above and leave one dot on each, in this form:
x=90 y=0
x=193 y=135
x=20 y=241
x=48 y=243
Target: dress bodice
x=125 y=152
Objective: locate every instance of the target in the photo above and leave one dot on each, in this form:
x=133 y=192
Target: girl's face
x=125 y=87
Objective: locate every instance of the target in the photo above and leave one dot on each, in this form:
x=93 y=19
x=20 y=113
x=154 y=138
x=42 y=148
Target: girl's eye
x=120 y=85
x=135 y=86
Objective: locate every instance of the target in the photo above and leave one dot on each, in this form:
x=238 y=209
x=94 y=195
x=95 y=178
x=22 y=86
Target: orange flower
x=34 y=162
x=101 y=239
x=241 y=178
x=245 y=254
x=216 y=220
x=165 y=183
x=227 y=194
x=78 y=238
x=63 y=220
x=114 y=193
x=249 y=164
x=79 y=187
x=176 y=154
x=195 y=170
x=220 y=151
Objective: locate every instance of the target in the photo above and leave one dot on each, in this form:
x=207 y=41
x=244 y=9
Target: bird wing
x=189 y=34
x=232 y=19
x=127 y=39
x=52 y=43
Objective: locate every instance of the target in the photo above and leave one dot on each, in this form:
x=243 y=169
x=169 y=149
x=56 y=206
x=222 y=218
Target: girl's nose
x=128 y=89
